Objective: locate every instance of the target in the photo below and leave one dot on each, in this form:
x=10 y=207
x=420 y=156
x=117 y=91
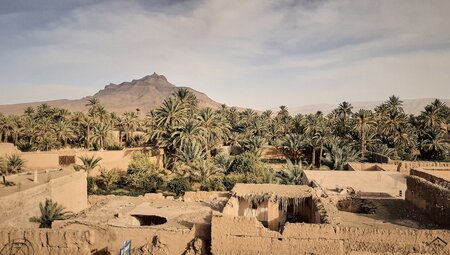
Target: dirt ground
x=384 y=213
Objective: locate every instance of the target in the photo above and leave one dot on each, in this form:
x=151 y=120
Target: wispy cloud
x=255 y=53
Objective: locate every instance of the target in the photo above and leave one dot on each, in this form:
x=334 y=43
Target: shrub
x=179 y=186
x=14 y=163
x=246 y=162
x=141 y=162
x=108 y=178
x=212 y=184
x=230 y=180
x=91 y=186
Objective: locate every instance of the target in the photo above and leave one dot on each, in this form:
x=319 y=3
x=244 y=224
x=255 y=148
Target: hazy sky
x=252 y=53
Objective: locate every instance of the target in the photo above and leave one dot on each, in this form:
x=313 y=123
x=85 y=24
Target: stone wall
x=245 y=235
x=432 y=199
x=69 y=190
x=45 y=241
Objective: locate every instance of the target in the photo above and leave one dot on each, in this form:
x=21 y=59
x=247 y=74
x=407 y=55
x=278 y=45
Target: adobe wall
x=110 y=159
x=356 y=166
x=45 y=241
x=245 y=235
x=69 y=191
x=406 y=166
x=7 y=149
x=111 y=238
x=432 y=199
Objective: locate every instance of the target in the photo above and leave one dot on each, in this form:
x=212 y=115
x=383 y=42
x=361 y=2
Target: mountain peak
x=154 y=77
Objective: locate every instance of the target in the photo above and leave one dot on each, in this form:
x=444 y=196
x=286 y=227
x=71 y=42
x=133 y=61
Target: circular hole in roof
x=150 y=220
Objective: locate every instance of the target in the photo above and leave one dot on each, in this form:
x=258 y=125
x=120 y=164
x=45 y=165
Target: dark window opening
x=150 y=220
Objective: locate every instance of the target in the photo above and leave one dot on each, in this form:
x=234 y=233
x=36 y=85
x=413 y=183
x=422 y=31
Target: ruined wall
x=144 y=240
x=205 y=195
x=406 y=166
x=110 y=159
x=45 y=241
x=242 y=235
x=434 y=200
x=69 y=190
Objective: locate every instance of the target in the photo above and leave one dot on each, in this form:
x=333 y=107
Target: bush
x=141 y=162
x=230 y=180
x=153 y=183
x=91 y=186
x=246 y=162
x=212 y=184
x=179 y=186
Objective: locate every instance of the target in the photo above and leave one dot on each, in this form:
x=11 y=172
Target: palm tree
x=101 y=135
x=89 y=163
x=64 y=132
x=292 y=175
x=215 y=129
x=394 y=104
x=293 y=145
x=186 y=97
x=188 y=131
x=14 y=163
x=254 y=144
x=363 y=122
x=202 y=169
x=314 y=125
x=190 y=152
x=435 y=144
x=129 y=123
x=339 y=153
x=50 y=211
x=344 y=110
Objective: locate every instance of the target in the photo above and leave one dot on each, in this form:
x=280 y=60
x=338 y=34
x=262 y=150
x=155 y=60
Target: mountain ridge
x=144 y=94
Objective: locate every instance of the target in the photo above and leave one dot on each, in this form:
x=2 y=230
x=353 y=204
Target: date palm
x=293 y=145
x=101 y=136
x=64 y=132
x=215 y=129
x=363 y=122
x=293 y=174
x=50 y=211
x=89 y=163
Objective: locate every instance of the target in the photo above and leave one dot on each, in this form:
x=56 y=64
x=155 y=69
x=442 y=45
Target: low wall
x=110 y=159
x=245 y=235
x=45 y=241
x=432 y=199
x=356 y=166
x=7 y=149
x=69 y=190
x=204 y=195
x=406 y=166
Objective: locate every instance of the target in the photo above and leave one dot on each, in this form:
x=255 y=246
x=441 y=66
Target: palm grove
x=194 y=140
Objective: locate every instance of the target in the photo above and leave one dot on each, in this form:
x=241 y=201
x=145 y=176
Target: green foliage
x=245 y=163
x=179 y=186
x=50 y=211
x=141 y=162
x=91 y=185
x=114 y=147
x=293 y=175
x=14 y=163
x=89 y=163
x=213 y=184
x=108 y=178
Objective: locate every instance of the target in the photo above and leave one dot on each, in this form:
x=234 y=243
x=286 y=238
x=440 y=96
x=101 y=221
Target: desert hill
x=411 y=106
x=146 y=93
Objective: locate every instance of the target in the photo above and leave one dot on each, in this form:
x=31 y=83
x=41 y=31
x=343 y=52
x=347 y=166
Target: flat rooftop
x=120 y=211
x=389 y=183
x=25 y=181
x=443 y=173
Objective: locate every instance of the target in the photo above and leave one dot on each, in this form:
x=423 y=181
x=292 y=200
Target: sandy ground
x=389 y=183
x=24 y=180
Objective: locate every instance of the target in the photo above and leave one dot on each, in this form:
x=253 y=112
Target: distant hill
x=146 y=94
x=411 y=106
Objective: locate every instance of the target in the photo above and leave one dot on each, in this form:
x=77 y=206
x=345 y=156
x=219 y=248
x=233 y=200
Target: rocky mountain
x=411 y=106
x=145 y=94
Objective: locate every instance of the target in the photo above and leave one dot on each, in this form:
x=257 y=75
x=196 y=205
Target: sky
x=255 y=53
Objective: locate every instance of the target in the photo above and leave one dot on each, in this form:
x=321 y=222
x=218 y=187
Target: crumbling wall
x=69 y=191
x=205 y=195
x=243 y=235
x=144 y=240
x=432 y=199
x=406 y=166
x=45 y=241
